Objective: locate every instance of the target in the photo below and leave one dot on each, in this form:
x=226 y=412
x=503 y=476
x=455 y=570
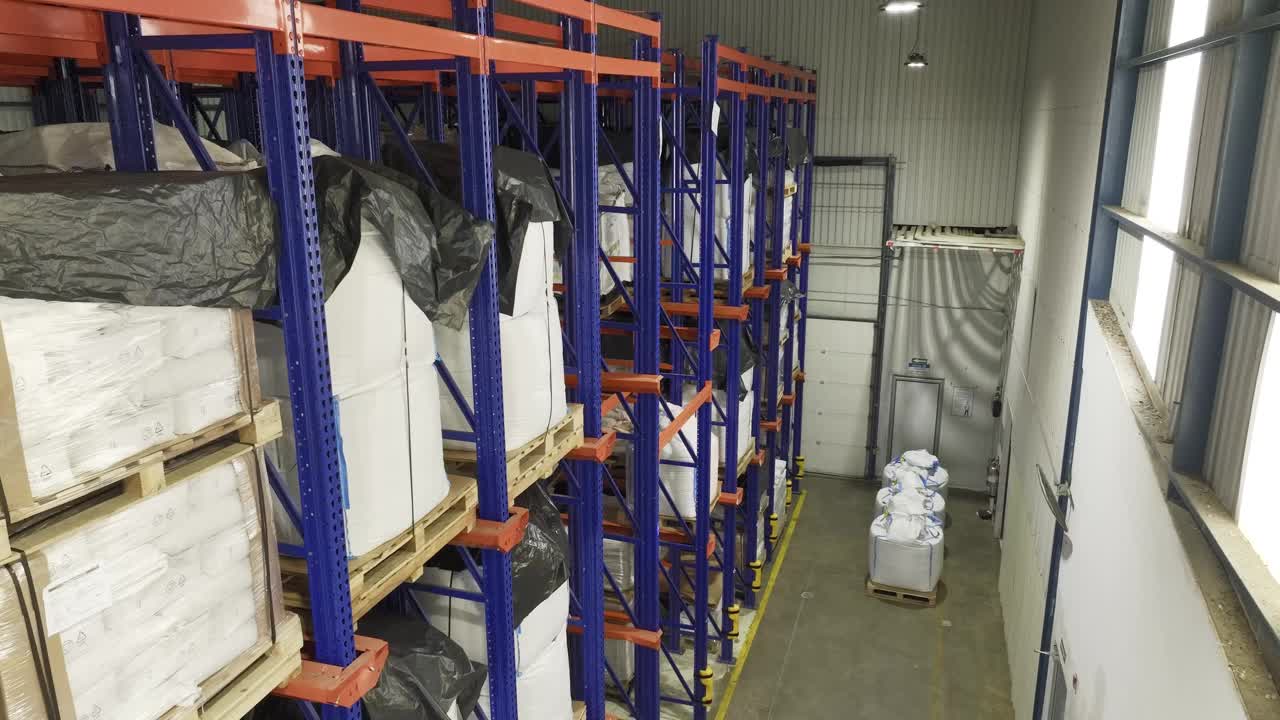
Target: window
x=1259 y=484
x=1168 y=180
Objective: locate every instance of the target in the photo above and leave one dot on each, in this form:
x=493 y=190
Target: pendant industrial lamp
x=916 y=59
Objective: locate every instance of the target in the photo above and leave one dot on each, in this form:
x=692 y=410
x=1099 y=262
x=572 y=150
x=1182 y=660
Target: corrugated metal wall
x=1262 y=234
x=954 y=126
x=1237 y=380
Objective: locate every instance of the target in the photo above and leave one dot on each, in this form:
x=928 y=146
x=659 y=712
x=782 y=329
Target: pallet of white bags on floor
x=906 y=551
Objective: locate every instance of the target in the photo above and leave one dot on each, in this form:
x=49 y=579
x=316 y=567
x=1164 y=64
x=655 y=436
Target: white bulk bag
x=692 y=228
x=385 y=407
x=87 y=146
x=463 y=620
x=907 y=475
x=620 y=559
x=615 y=231
x=542 y=688
x=922 y=459
x=906 y=551
x=780 y=489
x=621 y=656
x=680 y=481
x=533 y=276
x=533 y=392
x=718 y=426
x=910 y=500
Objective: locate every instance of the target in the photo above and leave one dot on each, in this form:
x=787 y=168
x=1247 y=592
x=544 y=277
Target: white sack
x=906 y=551
x=910 y=501
x=680 y=481
x=542 y=688
x=533 y=391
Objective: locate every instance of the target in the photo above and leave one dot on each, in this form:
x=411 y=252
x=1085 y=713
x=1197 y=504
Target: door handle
x=1051 y=492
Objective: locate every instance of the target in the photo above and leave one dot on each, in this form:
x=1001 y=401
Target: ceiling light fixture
x=900 y=7
x=915 y=59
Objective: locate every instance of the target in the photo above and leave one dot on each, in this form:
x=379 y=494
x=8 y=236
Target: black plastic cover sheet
x=437 y=246
x=173 y=238
x=523 y=192
x=539 y=564
x=209 y=239
x=798 y=150
x=425 y=674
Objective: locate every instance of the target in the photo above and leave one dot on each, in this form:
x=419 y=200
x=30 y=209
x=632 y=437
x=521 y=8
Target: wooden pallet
x=234 y=691
x=533 y=461
x=900 y=595
x=612 y=304
x=375 y=574
x=256 y=428
x=743 y=463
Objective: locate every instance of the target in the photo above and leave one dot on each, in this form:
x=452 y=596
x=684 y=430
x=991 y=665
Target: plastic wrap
x=533 y=390
x=620 y=559
x=906 y=551
x=798 y=150
x=381 y=355
x=679 y=480
x=427 y=676
x=85 y=386
x=539 y=580
x=209 y=239
x=910 y=501
x=523 y=190
x=132 y=603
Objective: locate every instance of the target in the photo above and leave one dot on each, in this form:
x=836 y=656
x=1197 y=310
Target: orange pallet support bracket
x=775 y=274
x=595 y=449
x=787 y=400
x=798 y=375
x=623 y=382
x=761 y=292
x=759 y=458
x=793 y=260
x=731 y=498
x=493 y=535
x=617 y=626
x=341 y=686
x=771 y=425
x=805 y=248
x=719 y=311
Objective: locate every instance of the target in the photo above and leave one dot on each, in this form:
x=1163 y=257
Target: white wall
x=1138 y=636
x=837 y=393
x=1130 y=612
x=950 y=307
x=1067 y=64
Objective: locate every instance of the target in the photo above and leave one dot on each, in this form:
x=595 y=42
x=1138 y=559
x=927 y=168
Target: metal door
x=915 y=414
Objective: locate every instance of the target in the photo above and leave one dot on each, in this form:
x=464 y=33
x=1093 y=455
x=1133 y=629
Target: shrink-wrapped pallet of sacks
x=906 y=551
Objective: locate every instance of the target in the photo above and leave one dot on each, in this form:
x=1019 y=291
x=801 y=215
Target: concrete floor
x=826 y=650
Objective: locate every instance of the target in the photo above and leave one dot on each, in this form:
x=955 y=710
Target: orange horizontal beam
x=438 y=9
x=775 y=274
x=245 y=14
x=623 y=259
x=39 y=47
x=432 y=42
x=631 y=68
x=625 y=632
x=619 y=382
x=623 y=20
x=719 y=311
x=539 y=55
x=526 y=27
x=690 y=407
x=23 y=71
x=759 y=292
x=611 y=401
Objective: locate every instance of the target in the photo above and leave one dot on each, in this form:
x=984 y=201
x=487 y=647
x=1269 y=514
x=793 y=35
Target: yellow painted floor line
x=723 y=711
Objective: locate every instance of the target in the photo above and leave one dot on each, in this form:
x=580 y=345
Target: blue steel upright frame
x=1222 y=274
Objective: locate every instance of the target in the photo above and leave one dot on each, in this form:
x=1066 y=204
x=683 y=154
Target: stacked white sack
x=381 y=351
x=542 y=659
x=917 y=469
x=150 y=601
x=616 y=229
x=691 y=229
x=745 y=406
x=94 y=384
x=533 y=391
x=679 y=480
x=780 y=491
x=906 y=551
x=909 y=500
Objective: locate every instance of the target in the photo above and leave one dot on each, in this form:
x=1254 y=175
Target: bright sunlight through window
x=1168 y=179
x=1259 y=490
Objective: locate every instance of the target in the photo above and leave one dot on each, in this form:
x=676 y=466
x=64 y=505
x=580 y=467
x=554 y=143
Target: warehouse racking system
x=280 y=72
